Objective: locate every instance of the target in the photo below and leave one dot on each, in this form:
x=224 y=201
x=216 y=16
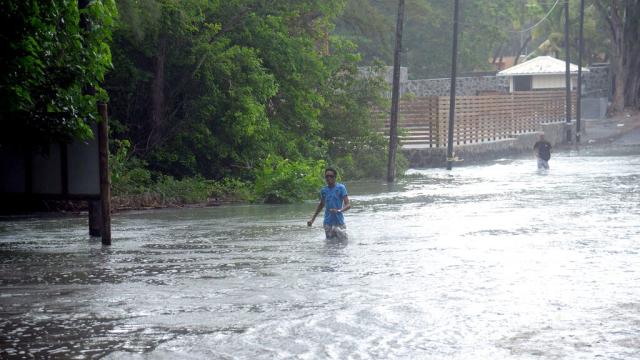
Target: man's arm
x=318 y=208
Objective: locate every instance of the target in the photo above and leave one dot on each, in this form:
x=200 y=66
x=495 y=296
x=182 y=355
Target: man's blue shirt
x=333 y=200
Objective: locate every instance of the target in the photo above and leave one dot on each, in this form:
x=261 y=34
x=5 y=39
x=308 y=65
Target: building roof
x=541 y=65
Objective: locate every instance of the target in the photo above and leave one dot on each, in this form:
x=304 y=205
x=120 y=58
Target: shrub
x=130 y=176
x=367 y=158
x=280 y=181
x=183 y=191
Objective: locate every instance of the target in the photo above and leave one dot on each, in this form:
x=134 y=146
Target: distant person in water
x=335 y=200
x=542 y=151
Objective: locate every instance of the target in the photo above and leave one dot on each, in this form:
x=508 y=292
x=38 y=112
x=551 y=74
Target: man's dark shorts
x=336 y=231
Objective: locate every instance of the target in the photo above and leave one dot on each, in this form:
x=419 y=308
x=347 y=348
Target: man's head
x=330 y=176
x=541 y=136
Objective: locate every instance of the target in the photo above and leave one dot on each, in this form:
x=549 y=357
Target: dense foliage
x=222 y=89
x=53 y=57
x=282 y=181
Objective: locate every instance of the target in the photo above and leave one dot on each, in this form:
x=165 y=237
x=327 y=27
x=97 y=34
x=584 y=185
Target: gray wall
x=465 y=86
x=46 y=169
x=597 y=82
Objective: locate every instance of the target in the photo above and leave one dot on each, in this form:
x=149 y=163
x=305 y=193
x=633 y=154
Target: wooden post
x=395 y=96
x=95 y=218
x=579 y=89
x=567 y=75
x=452 y=95
x=105 y=182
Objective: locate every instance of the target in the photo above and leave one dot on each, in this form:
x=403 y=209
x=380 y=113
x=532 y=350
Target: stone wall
x=597 y=82
x=465 y=86
x=472 y=153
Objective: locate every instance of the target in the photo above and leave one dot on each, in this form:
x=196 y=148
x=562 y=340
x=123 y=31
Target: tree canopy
x=54 y=58
x=213 y=88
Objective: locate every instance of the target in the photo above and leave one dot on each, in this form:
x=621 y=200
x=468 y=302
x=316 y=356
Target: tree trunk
x=632 y=81
x=497 y=53
x=157 y=93
x=617 y=101
x=624 y=28
x=524 y=45
x=632 y=54
x=614 y=15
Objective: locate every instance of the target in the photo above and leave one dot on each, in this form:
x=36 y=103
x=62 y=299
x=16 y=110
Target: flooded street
x=484 y=262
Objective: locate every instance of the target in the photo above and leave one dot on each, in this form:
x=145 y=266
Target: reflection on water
x=484 y=262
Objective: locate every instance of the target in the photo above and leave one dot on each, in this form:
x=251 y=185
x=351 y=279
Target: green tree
x=49 y=62
x=214 y=88
x=547 y=34
x=622 y=19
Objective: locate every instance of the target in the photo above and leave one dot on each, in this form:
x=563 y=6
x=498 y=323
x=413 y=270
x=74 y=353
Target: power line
x=539 y=22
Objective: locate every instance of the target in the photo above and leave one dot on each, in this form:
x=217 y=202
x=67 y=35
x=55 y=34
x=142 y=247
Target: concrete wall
x=436 y=157
x=540 y=82
x=594 y=108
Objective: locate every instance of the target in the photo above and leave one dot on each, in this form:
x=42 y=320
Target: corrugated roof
x=541 y=65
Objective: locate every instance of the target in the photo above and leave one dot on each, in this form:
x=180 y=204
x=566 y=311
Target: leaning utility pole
x=452 y=95
x=567 y=75
x=395 y=96
x=579 y=90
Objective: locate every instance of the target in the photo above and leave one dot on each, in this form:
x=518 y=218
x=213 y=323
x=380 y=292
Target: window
x=522 y=83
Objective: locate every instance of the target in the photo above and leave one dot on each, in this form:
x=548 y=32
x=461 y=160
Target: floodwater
x=496 y=261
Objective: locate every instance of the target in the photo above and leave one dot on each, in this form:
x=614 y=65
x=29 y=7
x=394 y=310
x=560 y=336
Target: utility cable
x=539 y=22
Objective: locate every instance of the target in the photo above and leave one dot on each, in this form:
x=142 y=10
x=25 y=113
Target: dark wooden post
x=395 y=96
x=579 y=89
x=95 y=218
x=567 y=75
x=105 y=182
x=99 y=210
x=452 y=95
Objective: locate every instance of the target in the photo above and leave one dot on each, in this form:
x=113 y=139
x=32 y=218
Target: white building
x=540 y=73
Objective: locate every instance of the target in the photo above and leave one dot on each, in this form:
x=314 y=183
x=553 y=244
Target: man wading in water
x=542 y=150
x=334 y=197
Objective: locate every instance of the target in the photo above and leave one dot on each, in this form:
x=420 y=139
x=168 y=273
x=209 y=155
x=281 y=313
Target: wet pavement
x=622 y=130
x=494 y=261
